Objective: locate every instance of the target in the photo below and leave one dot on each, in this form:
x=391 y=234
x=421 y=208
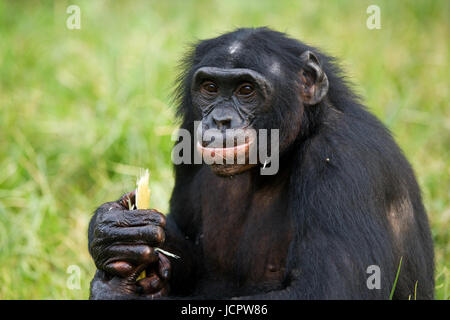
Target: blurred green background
x=82 y=110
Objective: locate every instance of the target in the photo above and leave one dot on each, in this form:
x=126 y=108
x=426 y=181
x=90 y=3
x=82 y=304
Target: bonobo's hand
x=122 y=245
x=105 y=286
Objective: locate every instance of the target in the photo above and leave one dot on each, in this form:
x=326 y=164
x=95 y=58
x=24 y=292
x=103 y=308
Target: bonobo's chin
x=226 y=170
x=227 y=161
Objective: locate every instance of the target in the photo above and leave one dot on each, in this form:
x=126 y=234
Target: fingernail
x=154 y=283
x=166 y=273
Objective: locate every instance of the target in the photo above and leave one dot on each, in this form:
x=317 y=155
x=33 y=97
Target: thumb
x=128 y=199
x=132 y=278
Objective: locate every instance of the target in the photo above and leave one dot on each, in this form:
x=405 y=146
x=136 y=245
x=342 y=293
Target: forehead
x=241 y=54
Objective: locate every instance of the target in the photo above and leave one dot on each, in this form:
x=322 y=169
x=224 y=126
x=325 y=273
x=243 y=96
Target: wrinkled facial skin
x=228 y=99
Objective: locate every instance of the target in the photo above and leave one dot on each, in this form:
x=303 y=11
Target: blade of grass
x=415 y=290
x=396 y=278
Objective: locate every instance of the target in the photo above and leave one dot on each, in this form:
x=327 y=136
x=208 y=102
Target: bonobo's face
x=244 y=86
x=228 y=99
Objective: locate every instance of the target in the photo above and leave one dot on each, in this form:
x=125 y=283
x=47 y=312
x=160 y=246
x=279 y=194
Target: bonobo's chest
x=246 y=230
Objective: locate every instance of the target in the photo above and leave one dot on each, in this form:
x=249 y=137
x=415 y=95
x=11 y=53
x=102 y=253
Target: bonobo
x=343 y=199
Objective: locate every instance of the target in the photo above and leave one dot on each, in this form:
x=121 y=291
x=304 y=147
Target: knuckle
x=108 y=206
x=100 y=232
x=160 y=235
x=158 y=217
x=101 y=219
x=146 y=253
x=109 y=216
x=163 y=220
x=155 y=234
x=101 y=257
x=96 y=245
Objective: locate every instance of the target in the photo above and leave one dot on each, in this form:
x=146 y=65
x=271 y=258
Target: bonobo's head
x=242 y=82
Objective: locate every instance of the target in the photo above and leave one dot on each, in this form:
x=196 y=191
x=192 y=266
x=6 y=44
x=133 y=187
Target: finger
x=132 y=218
x=132 y=254
x=150 y=285
x=108 y=206
x=151 y=235
x=164 y=266
x=143 y=217
x=161 y=293
x=120 y=269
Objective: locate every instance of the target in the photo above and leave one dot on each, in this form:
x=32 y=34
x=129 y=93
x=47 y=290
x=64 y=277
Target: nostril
x=222 y=122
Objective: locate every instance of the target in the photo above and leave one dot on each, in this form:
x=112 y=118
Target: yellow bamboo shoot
x=143 y=202
x=143 y=191
x=143 y=199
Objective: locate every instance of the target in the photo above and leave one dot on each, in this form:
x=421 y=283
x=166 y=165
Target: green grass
x=396 y=278
x=82 y=110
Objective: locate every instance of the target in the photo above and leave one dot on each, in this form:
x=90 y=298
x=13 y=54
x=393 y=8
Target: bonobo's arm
x=324 y=272
x=332 y=266
x=184 y=269
x=122 y=242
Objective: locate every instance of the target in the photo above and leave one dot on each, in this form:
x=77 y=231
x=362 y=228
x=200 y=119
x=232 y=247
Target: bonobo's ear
x=314 y=81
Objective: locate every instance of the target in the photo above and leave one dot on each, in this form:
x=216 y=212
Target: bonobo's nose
x=223 y=121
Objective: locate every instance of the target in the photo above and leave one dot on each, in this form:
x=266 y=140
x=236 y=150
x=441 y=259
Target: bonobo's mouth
x=231 y=157
x=225 y=152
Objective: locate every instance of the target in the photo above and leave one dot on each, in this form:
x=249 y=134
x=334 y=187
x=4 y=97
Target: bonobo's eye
x=209 y=87
x=245 y=90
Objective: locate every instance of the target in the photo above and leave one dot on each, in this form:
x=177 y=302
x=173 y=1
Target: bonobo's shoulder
x=359 y=125
x=351 y=136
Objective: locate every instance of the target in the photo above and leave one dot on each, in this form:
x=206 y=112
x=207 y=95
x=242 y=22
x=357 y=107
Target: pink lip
x=224 y=153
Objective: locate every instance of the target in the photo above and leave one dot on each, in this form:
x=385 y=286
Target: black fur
x=349 y=193
x=344 y=198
